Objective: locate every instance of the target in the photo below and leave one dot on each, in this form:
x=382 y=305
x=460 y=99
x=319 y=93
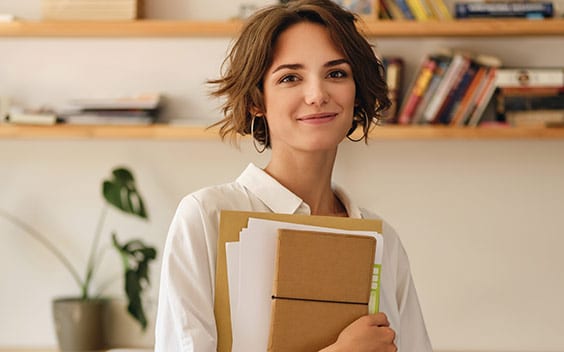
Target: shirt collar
x=280 y=199
x=275 y=196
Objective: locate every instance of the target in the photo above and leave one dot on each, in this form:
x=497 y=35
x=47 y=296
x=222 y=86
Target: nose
x=316 y=93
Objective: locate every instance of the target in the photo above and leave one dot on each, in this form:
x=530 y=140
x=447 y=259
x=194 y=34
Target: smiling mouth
x=318 y=117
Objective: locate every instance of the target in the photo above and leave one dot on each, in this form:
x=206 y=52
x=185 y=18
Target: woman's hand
x=370 y=333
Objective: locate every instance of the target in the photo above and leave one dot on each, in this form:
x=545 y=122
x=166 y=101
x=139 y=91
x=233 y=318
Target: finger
x=378 y=319
x=389 y=334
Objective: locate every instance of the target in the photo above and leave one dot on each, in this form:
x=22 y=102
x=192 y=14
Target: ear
x=256 y=111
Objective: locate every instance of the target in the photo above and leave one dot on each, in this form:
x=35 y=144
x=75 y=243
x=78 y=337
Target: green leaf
x=121 y=192
x=136 y=259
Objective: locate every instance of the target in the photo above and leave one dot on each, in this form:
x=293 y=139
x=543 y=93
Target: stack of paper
x=251 y=269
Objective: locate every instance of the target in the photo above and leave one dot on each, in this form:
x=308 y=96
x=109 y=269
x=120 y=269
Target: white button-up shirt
x=185 y=318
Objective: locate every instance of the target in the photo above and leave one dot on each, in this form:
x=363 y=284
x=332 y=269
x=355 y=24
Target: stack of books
x=136 y=110
x=90 y=9
x=530 y=97
x=451 y=88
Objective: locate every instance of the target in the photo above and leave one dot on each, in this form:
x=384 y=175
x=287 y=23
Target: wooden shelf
x=179 y=132
x=163 y=28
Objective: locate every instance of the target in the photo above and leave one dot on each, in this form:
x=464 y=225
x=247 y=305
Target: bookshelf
x=163 y=28
x=188 y=28
x=180 y=132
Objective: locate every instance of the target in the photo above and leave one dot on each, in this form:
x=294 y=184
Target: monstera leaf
x=136 y=257
x=120 y=191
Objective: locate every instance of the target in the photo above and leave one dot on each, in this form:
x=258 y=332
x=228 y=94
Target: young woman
x=300 y=79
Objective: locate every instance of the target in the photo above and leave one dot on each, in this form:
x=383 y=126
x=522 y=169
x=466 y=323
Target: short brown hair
x=252 y=53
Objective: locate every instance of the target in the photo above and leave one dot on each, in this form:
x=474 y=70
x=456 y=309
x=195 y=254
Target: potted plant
x=79 y=319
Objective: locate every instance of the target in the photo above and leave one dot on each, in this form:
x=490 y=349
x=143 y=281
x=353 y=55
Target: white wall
x=481 y=220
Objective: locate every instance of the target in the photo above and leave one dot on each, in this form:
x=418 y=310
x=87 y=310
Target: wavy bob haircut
x=251 y=55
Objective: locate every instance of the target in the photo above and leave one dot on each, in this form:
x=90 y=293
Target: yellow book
x=418 y=10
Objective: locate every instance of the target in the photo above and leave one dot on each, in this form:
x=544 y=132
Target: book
x=416 y=90
x=148 y=101
x=530 y=77
x=439 y=9
x=483 y=98
x=529 y=102
x=89 y=9
x=528 y=9
x=535 y=118
x=394 y=67
x=418 y=10
x=458 y=88
x=311 y=305
x=231 y=224
x=32 y=117
x=443 y=61
x=457 y=64
x=461 y=113
x=394 y=10
x=404 y=7
x=96 y=119
x=7 y=17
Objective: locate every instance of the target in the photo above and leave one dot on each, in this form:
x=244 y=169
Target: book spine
x=503 y=9
x=455 y=95
x=394 y=70
x=417 y=91
x=441 y=10
x=483 y=99
x=459 y=117
x=451 y=74
x=417 y=9
x=395 y=12
x=402 y=4
x=442 y=66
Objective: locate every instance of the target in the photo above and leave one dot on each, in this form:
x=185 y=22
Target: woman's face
x=309 y=91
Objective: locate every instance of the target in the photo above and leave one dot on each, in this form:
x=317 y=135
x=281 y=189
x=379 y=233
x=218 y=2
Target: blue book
x=503 y=9
x=402 y=4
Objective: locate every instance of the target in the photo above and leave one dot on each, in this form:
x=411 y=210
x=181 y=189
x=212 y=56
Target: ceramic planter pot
x=80 y=324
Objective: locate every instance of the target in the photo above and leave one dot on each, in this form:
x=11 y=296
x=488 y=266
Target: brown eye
x=337 y=74
x=288 y=79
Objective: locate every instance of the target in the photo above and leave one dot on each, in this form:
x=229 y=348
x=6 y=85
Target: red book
x=417 y=90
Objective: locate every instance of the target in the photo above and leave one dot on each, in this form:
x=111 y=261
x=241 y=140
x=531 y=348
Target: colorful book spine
x=457 y=64
x=483 y=99
x=418 y=9
x=417 y=90
x=460 y=114
x=443 y=61
x=456 y=93
x=439 y=9
x=503 y=9
x=402 y=4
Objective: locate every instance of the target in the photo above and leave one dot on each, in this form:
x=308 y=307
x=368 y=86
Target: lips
x=317 y=117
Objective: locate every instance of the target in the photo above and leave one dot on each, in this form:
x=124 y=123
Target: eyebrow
x=300 y=66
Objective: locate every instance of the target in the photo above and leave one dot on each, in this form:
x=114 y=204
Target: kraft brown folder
x=231 y=223
x=321 y=285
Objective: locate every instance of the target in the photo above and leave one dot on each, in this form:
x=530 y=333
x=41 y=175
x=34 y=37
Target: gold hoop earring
x=260 y=151
x=365 y=131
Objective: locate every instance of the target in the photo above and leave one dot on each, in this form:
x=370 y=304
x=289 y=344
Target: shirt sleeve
x=412 y=332
x=185 y=318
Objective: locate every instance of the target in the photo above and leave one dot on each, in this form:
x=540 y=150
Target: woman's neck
x=309 y=177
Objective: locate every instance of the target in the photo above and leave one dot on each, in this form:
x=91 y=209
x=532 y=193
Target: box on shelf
x=90 y=9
